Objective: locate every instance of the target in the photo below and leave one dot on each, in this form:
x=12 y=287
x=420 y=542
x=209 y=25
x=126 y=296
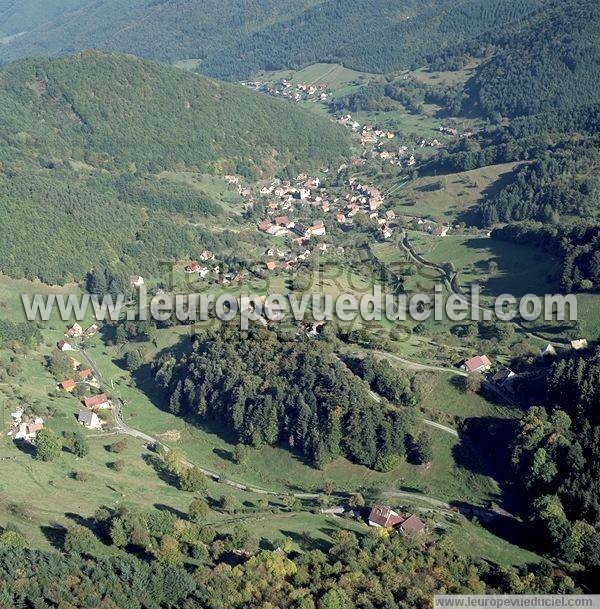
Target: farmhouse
x=441 y=231
x=384 y=517
x=579 y=344
x=207 y=255
x=194 y=267
x=481 y=363
x=548 y=350
x=97 y=402
x=28 y=431
x=63 y=345
x=92 y=330
x=412 y=525
x=85 y=374
x=505 y=378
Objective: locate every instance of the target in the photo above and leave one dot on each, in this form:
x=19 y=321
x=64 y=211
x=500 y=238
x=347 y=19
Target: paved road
x=419 y=366
x=439 y=426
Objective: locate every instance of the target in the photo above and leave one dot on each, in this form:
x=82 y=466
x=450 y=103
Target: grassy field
x=472 y=255
x=449 y=198
x=339 y=79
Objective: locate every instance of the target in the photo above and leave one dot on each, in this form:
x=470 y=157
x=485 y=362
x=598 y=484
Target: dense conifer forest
x=268 y=390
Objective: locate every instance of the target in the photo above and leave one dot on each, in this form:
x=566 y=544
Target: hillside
x=83 y=138
x=234 y=39
x=116 y=110
x=164 y=29
x=550 y=61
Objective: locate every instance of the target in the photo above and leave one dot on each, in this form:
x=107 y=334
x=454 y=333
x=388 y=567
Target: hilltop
x=110 y=109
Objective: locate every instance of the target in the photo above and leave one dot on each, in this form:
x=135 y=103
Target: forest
x=270 y=390
x=555 y=458
x=113 y=111
x=547 y=62
x=365 y=571
x=233 y=39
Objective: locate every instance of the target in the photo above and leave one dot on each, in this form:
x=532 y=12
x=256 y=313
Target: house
x=579 y=344
x=390 y=215
x=67 y=385
x=264 y=225
x=89 y=420
x=207 y=255
x=340 y=218
x=136 y=281
x=203 y=272
x=384 y=517
x=63 y=345
x=92 y=330
x=74 y=363
x=412 y=525
x=75 y=331
x=193 y=267
x=387 y=232
x=271 y=265
x=441 y=231
x=97 y=402
x=481 y=363
x=28 y=431
x=317 y=229
x=505 y=378
x=85 y=374
x=548 y=350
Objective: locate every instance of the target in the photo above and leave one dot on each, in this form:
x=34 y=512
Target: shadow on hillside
x=55 y=534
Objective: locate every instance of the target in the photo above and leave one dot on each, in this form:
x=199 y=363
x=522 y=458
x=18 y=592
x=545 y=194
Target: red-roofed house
x=481 y=363
x=99 y=402
x=384 y=517
x=68 y=385
x=412 y=525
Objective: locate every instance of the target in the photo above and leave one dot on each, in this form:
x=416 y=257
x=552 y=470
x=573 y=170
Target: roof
x=384 y=516
x=95 y=400
x=34 y=427
x=503 y=375
x=476 y=363
x=86 y=417
x=579 y=344
x=67 y=384
x=413 y=524
x=85 y=373
x=282 y=220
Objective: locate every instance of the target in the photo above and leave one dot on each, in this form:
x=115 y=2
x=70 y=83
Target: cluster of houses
x=284 y=199
x=427 y=226
x=294 y=92
x=76 y=331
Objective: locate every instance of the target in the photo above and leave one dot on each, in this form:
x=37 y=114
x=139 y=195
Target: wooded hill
x=234 y=39
x=111 y=110
x=121 y=120
x=550 y=61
